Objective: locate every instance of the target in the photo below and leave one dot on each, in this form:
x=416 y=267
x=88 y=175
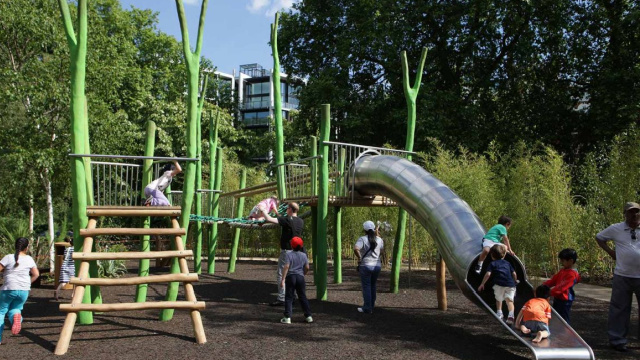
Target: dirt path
x=240 y=325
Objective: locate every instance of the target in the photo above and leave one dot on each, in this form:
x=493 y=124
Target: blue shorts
x=536 y=326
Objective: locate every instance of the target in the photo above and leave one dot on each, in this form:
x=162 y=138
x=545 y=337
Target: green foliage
x=112 y=268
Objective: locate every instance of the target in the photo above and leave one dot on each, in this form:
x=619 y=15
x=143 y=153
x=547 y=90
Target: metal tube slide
x=457 y=232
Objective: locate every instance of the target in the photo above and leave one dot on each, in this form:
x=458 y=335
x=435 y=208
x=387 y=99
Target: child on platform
x=269 y=205
x=562 y=283
x=504 y=280
x=495 y=236
x=536 y=314
x=295 y=268
x=153 y=191
x=19 y=271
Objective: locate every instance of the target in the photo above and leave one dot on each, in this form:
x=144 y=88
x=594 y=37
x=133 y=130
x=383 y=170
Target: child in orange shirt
x=536 y=314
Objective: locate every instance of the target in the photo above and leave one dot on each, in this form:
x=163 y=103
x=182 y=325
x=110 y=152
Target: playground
x=203 y=299
x=240 y=325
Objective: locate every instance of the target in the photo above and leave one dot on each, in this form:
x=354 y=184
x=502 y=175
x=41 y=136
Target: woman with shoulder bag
x=368 y=250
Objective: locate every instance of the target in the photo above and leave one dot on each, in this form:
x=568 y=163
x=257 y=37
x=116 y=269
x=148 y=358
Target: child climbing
x=153 y=191
x=495 y=236
x=19 y=271
x=269 y=204
x=295 y=268
x=561 y=284
x=67 y=270
x=504 y=280
x=536 y=314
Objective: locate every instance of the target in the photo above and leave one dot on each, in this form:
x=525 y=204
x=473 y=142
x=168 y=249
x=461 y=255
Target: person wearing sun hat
x=368 y=250
x=626 y=275
x=296 y=266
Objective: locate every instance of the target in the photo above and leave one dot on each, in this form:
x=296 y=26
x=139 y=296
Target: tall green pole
x=198 y=243
x=96 y=296
x=213 y=145
x=236 y=236
x=277 y=110
x=216 y=206
x=410 y=93
x=323 y=204
x=314 y=210
x=192 y=62
x=147 y=176
x=79 y=129
x=337 y=212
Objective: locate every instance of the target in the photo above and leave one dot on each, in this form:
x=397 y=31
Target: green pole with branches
x=236 y=236
x=192 y=62
x=147 y=169
x=79 y=130
x=410 y=93
x=277 y=109
x=213 y=145
x=323 y=204
x=213 y=243
x=198 y=246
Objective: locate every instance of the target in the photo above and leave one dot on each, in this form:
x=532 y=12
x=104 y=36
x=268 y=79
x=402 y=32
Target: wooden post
x=231 y=268
x=441 y=272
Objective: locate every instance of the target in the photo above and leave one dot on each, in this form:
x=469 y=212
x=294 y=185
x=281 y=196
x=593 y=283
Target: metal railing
x=347 y=154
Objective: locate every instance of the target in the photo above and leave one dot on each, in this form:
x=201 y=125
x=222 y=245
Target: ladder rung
x=132 y=255
x=132 y=231
x=135 y=280
x=190 y=305
x=94 y=211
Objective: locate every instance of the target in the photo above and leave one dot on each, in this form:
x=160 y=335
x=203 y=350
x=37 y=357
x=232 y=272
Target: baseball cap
x=369 y=225
x=631 y=205
x=296 y=242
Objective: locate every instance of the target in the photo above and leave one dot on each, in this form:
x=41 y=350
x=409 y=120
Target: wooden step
x=132 y=255
x=132 y=231
x=93 y=211
x=189 y=305
x=135 y=280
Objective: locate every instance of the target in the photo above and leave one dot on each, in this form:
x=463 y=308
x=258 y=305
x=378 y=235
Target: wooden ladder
x=82 y=280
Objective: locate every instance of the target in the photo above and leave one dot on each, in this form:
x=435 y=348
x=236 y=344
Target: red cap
x=296 y=242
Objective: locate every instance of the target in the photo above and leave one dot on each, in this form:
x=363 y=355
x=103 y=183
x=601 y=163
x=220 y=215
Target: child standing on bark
x=19 y=272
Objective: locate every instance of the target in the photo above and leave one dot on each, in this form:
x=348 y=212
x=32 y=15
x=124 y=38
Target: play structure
x=333 y=175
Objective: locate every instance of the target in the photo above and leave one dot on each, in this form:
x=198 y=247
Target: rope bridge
x=245 y=222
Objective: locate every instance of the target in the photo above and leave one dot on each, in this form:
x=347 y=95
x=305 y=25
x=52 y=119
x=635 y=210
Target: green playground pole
x=216 y=207
x=277 y=110
x=213 y=144
x=96 y=296
x=410 y=93
x=147 y=176
x=192 y=62
x=236 y=236
x=323 y=204
x=79 y=130
x=337 y=212
x=197 y=256
x=314 y=209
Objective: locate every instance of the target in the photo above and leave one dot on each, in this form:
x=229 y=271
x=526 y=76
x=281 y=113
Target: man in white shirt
x=626 y=275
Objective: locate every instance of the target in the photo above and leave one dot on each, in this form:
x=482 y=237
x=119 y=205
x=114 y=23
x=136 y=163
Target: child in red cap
x=295 y=268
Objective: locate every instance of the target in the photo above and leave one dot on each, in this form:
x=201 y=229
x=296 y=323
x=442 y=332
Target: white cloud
x=192 y=2
x=269 y=7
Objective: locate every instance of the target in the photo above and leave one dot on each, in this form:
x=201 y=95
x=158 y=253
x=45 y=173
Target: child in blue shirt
x=495 y=236
x=295 y=268
x=504 y=280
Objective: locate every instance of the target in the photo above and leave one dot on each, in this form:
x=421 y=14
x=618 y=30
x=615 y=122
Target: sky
x=236 y=32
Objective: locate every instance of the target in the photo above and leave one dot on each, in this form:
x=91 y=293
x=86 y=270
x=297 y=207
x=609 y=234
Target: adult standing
x=626 y=275
x=368 y=250
x=290 y=226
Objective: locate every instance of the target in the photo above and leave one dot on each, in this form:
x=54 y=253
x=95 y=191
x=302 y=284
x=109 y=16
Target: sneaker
x=308 y=319
x=285 y=320
x=478 y=269
x=17 y=324
x=277 y=303
x=510 y=320
x=360 y=310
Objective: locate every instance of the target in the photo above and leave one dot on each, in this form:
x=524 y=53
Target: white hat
x=369 y=225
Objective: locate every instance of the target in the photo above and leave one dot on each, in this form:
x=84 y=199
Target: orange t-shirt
x=537 y=309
